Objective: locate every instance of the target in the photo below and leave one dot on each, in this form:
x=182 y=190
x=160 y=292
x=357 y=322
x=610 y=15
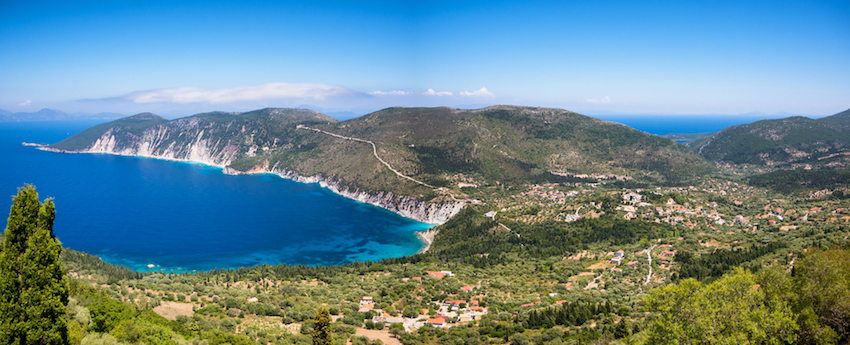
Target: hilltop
x=787 y=143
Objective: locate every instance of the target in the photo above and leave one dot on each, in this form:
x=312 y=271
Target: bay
x=183 y=216
x=666 y=124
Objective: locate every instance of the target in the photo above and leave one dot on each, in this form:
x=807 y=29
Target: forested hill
x=491 y=146
x=784 y=143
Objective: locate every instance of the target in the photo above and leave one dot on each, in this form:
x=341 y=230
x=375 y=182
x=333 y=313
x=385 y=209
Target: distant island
x=53 y=115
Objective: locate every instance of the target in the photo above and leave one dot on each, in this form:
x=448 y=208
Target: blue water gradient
x=184 y=216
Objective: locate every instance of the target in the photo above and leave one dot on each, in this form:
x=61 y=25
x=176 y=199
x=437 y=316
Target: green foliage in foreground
x=730 y=310
x=812 y=306
x=33 y=284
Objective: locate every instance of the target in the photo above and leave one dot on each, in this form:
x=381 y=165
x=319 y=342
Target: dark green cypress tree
x=322 y=331
x=33 y=285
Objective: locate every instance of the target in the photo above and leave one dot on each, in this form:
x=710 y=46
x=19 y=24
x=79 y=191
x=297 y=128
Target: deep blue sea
x=182 y=216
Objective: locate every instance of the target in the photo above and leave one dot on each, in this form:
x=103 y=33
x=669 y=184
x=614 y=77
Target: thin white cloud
x=25 y=104
x=186 y=95
x=603 y=100
x=480 y=93
x=390 y=93
x=431 y=92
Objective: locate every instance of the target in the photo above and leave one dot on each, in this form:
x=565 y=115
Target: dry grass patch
x=601 y=264
x=383 y=335
x=170 y=310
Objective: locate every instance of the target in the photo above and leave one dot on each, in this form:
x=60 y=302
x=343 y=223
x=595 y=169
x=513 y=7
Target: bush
x=410 y=312
x=108 y=313
x=307 y=327
x=229 y=325
x=356 y=322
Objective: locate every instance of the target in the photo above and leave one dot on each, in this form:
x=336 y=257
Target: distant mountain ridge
x=791 y=142
x=47 y=114
x=498 y=145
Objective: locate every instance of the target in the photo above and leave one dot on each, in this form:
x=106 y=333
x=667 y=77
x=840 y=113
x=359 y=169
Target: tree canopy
x=33 y=285
x=322 y=331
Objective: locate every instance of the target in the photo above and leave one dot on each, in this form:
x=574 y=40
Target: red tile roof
x=435 y=274
x=437 y=321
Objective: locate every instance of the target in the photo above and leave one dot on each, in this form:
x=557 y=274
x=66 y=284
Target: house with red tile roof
x=435 y=274
x=455 y=303
x=437 y=322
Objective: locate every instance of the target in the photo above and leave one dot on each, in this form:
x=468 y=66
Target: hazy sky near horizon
x=630 y=57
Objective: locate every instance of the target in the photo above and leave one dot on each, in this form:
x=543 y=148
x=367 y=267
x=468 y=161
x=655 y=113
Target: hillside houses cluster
x=449 y=312
x=457 y=310
x=549 y=193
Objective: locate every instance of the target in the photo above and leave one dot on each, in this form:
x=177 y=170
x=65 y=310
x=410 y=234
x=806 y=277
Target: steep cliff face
x=157 y=142
x=425 y=212
x=219 y=139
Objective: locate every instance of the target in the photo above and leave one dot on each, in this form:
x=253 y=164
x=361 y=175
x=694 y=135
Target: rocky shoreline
x=429 y=213
x=428 y=237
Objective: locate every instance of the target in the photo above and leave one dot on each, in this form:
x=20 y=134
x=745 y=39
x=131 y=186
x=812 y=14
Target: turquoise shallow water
x=186 y=216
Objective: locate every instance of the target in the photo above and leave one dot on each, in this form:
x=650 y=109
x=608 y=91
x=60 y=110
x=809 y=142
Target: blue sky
x=627 y=57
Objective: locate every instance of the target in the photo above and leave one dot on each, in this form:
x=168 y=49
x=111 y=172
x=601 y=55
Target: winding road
x=374 y=151
x=649 y=256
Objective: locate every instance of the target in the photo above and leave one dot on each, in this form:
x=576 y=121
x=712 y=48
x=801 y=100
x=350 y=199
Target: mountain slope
x=500 y=145
x=215 y=138
x=784 y=143
x=519 y=144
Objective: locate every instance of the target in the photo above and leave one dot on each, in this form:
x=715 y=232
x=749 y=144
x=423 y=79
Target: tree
x=322 y=331
x=33 y=285
x=397 y=328
x=822 y=283
x=732 y=310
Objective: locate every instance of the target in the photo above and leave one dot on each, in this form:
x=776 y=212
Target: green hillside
x=788 y=142
x=500 y=145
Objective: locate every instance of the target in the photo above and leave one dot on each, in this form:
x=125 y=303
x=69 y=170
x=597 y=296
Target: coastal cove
x=185 y=216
